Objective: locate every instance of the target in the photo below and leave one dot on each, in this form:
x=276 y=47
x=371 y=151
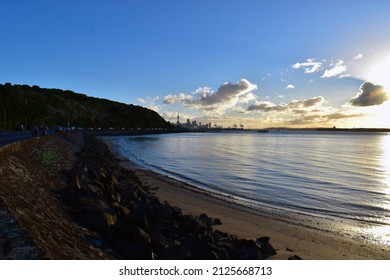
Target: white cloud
x=303 y=104
x=369 y=95
x=181 y=97
x=215 y=102
x=301 y=113
x=226 y=93
x=290 y=86
x=246 y=98
x=358 y=56
x=150 y=102
x=336 y=70
x=141 y=100
x=310 y=66
x=172 y=116
x=267 y=76
x=154 y=107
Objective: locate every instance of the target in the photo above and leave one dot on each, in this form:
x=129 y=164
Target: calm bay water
x=335 y=175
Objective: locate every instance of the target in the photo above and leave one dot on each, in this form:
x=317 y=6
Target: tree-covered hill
x=23 y=105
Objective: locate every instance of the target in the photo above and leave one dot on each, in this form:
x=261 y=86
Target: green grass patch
x=49 y=157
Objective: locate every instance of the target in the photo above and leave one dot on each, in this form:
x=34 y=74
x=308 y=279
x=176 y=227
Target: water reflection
x=386 y=161
x=342 y=176
x=383 y=232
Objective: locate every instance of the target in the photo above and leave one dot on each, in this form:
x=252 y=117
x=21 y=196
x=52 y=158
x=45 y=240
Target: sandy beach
x=291 y=234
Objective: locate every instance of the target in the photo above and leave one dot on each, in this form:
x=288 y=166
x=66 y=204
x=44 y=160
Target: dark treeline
x=27 y=106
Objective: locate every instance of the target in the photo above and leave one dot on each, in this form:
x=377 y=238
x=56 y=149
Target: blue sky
x=259 y=63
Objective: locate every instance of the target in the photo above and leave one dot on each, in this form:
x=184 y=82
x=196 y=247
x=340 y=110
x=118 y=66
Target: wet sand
x=291 y=234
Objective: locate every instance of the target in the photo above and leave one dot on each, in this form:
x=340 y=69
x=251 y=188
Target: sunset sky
x=256 y=63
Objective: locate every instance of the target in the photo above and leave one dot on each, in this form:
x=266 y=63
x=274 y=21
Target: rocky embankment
x=73 y=200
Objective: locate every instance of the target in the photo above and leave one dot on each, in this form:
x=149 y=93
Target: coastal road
x=10 y=137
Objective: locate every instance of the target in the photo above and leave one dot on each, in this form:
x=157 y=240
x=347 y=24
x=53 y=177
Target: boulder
x=92 y=201
x=172 y=252
x=133 y=251
x=201 y=250
x=114 y=181
x=295 y=257
x=92 y=189
x=243 y=250
x=266 y=249
x=98 y=218
x=138 y=236
x=156 y=220
x=193 y=226
x=140 y=216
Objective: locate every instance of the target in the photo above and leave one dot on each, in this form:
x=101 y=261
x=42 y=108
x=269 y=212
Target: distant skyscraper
x=178 y=119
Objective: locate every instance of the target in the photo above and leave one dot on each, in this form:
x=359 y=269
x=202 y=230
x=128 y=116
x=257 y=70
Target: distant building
x=194 y=125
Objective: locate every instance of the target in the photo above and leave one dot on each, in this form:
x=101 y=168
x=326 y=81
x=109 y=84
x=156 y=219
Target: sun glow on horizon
x=379 y=73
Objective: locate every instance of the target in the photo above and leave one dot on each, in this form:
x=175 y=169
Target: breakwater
x=74 y=201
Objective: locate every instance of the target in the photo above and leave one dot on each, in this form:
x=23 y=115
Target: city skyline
x=260 y=63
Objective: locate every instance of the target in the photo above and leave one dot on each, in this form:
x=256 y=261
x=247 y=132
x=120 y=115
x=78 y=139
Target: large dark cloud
x=295 y=104
x=225 y=93
x=369 y=95
x=339 y=116
x=304 y=120
x=309 y=119
x=265 y=106
x=305 y=103
x=226 y=97
x=172 y=99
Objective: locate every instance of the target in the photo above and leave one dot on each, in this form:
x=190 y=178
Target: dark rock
x=221 y=234
x=207 y=222
x=203 y=216
x=263 y=239
x=115 y=196
x=102 y=174
x=92 y=189
x=217 y=222
x=156 y=220
x=266 y=249
x=202 y=250
x=137 y=235
x=112 y=234
x=120 y=209
x=98 y=218
x=133 y=251
x=240 y=249
x=71 y=196
x=172 y=252
x=193 y=226
x=140 y=216
x=136 y=246
x=114 y=180
x=78 y=183
x=132 y=193
x=209 y=238
x=295 y=257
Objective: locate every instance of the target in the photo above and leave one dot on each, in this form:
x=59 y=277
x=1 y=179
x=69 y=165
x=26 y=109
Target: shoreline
x=309 y=237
